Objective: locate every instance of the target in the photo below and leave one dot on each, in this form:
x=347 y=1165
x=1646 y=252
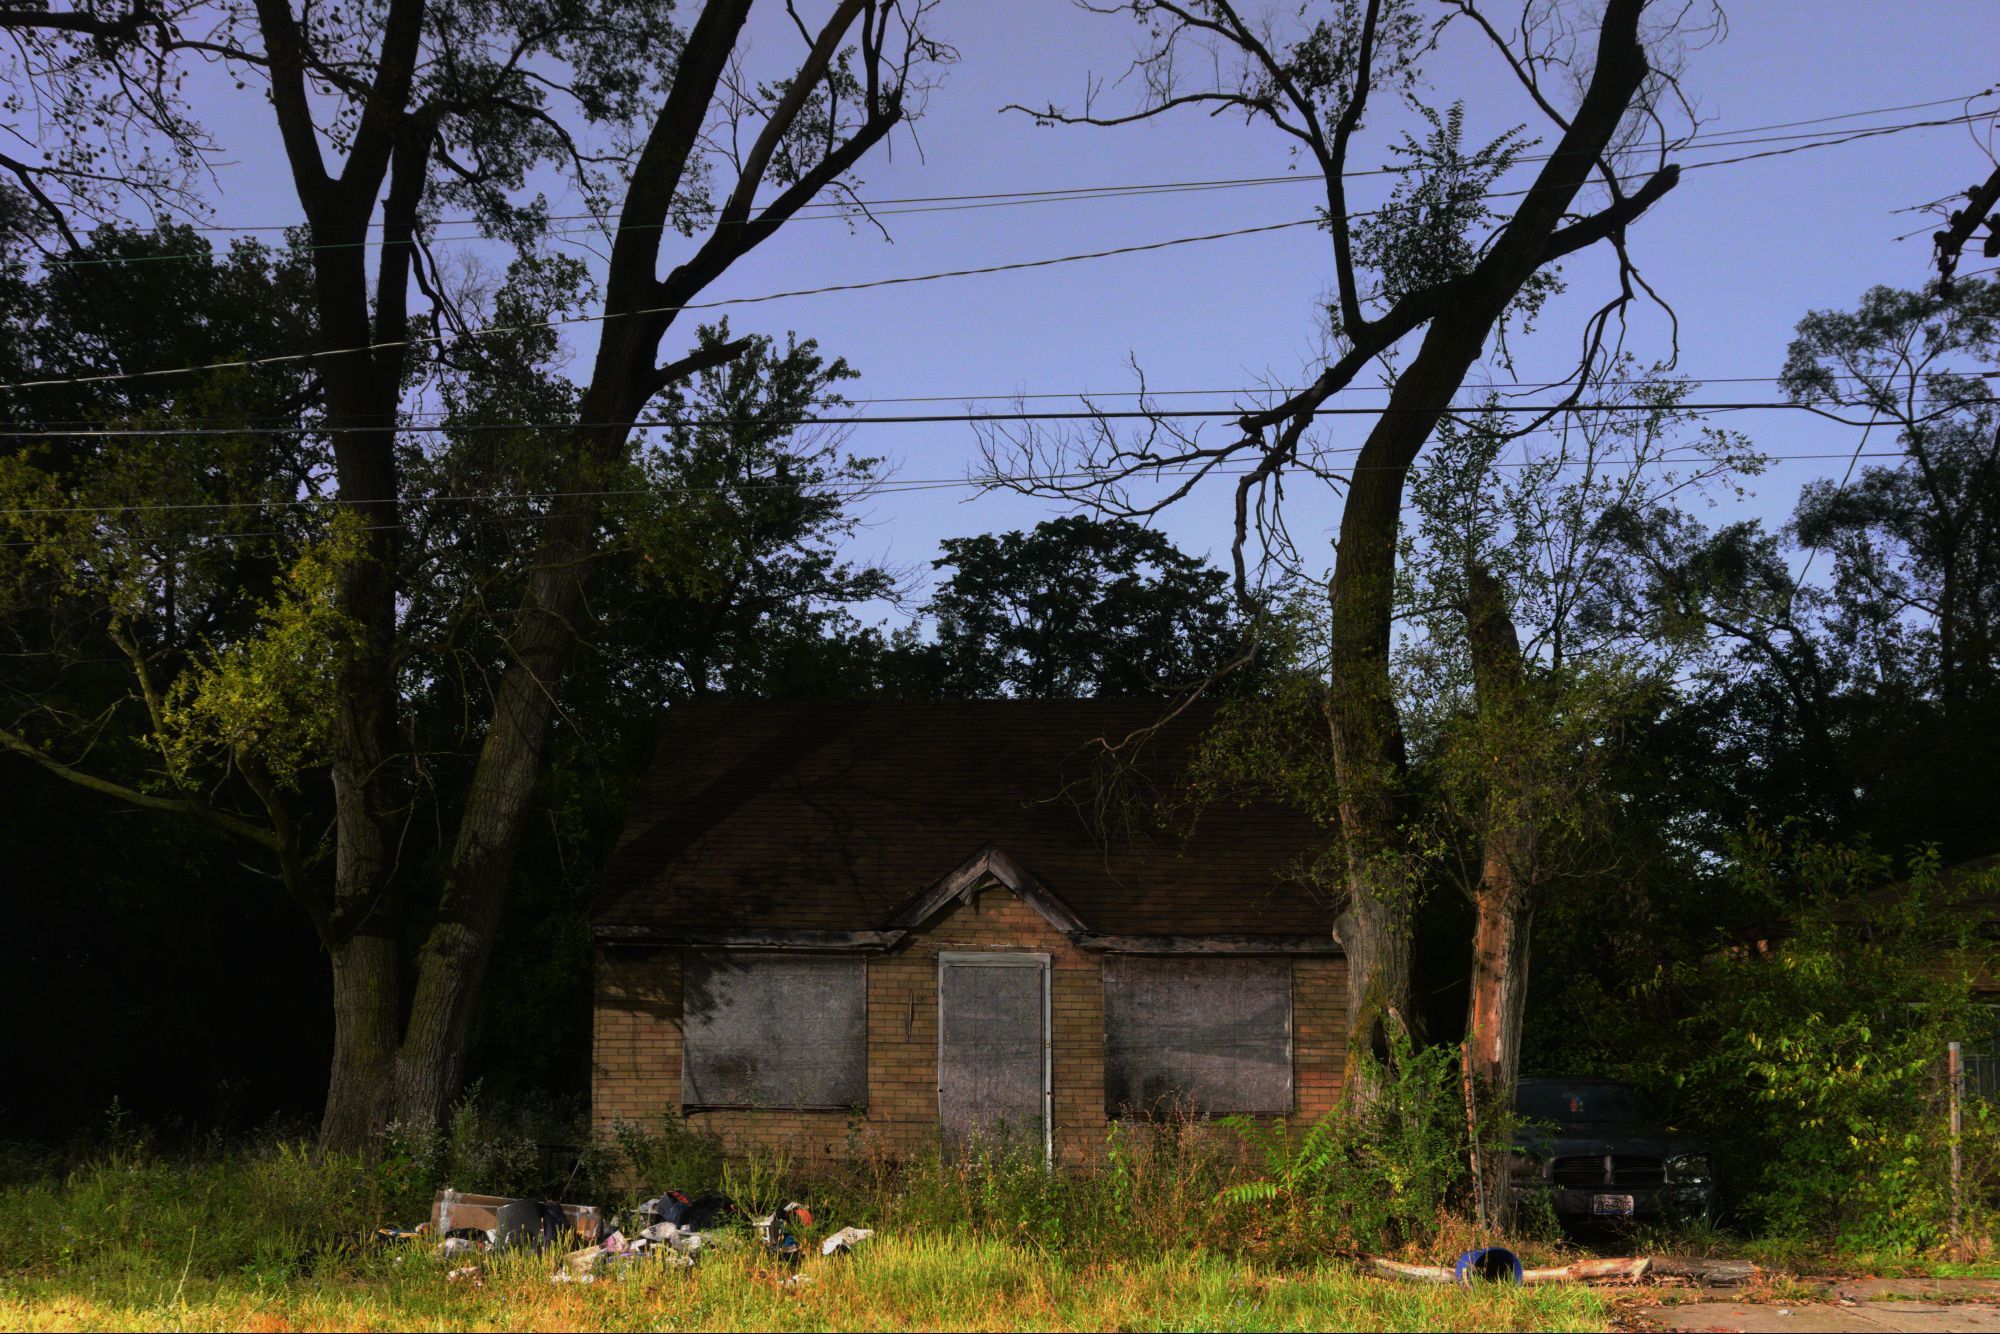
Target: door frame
x=1006 y=959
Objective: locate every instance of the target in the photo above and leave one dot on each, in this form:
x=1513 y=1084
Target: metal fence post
x=1955 y=1072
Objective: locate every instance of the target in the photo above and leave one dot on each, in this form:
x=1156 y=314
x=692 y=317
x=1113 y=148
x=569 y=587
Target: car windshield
x=1580 y=1104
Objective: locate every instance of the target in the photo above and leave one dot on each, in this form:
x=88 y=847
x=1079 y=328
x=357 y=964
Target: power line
x=1157 y=186
x=920 y=204
x=937 y=419
x=858 y=487
x=52 y=427
x=567 y=321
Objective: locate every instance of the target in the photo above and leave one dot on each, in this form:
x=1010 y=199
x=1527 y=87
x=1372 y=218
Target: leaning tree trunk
x=639 y=309
x=1503 y=901
x=451 y=971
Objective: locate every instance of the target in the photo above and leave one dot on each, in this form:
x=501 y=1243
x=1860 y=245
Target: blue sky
x=1741 y=251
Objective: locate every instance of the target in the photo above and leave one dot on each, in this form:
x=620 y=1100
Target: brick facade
x=636 y=1060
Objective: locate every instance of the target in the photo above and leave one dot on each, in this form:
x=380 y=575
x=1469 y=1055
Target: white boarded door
x=993 y=1050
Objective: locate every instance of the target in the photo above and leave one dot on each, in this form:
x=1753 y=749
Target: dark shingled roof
x=832 y=817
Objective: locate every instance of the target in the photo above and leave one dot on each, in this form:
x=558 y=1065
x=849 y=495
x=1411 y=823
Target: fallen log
x=1720 y=1273
x=1593 y=1271
x=1583 y=1271
x=1411 y=1273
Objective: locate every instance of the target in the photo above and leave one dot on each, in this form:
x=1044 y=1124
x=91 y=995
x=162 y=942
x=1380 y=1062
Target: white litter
x=844 y=1240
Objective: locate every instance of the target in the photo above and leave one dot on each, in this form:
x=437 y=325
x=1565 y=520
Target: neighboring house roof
x=817 y=822
x=1970 y=889
x=1967 y=892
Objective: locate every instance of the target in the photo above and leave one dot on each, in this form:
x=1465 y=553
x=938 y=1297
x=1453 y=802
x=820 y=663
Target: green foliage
x=1427 y=233
x=1375 y=1175
x=268 y=699
x=1815 y=1066
x=897 y=1281
x=270 y=1212
x=1152 y=1191
x=676 y=1156
x=1079 y=607
x=755 y=1182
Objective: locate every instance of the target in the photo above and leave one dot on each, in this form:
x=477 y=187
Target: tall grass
x=895 y=1283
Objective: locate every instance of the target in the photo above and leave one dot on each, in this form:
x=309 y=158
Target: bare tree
x=1450 y=272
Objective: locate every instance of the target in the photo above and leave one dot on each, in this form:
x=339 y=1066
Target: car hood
x=1586 y=1141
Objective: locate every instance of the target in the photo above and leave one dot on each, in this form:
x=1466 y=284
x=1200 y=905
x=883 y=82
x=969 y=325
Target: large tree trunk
x=1366 y=733
x=639 y=308
x=430 y=1067
x=1503 y=900
x=367 y=1018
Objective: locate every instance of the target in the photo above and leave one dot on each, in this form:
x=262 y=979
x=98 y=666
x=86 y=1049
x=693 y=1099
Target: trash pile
x=670 y=1230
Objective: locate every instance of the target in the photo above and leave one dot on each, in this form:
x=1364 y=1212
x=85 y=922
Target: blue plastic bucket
x=1488 y=1264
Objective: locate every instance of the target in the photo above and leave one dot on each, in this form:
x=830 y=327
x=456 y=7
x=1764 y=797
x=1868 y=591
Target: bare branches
x=98 y=74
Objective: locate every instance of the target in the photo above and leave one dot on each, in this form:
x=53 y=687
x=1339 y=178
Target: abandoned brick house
x=830 y=926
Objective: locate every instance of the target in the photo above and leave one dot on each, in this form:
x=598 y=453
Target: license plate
x=1611 y=1206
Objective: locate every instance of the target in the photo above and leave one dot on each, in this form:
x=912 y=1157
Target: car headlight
x=1521 y=1166
x=1688 y=1167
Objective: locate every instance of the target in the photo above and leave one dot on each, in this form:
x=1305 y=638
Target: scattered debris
x=462 y=1245
x=845 y=1240
x=453 y=1210
x=773 y=1230
x=1495 y=1263
x=466 y=1274
x=1593 y=1271
x=689 y=1215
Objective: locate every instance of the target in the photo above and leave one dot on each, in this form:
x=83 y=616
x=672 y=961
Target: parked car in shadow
x=1599 y=1154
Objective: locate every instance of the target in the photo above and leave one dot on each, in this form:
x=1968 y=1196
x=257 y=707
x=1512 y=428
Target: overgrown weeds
x=1391 y=1174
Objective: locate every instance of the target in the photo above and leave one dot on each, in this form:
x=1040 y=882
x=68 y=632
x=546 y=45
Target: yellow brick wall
x=636 y=1065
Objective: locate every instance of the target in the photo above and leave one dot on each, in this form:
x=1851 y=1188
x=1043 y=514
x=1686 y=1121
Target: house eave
x=1324 y=946
x=612 y=933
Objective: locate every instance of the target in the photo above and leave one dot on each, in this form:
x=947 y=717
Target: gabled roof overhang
x=988 y=868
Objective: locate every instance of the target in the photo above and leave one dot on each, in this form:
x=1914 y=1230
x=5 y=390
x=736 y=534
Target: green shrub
x=675 y=1156
x=1376 y=1175
x=1817 y=1069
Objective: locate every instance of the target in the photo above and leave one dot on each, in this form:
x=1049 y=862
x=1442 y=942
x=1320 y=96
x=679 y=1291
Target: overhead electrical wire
x=568 y=321
x=1172 y=185
x=851 y=210
x=849 y=488
x=405 y=418
x=26 y=432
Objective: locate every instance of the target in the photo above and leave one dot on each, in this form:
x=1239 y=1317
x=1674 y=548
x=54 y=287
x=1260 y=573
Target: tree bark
x=367 y=1018
x=1503 y=900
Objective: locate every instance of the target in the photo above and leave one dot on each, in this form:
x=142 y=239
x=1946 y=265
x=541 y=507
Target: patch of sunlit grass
x=892 y=1283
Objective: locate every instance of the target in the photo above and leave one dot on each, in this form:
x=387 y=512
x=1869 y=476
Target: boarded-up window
x=1216 y=1033
x=771 y=1030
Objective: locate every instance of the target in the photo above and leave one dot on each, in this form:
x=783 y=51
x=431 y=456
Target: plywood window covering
x=1216 y=1033
x=773 y=1030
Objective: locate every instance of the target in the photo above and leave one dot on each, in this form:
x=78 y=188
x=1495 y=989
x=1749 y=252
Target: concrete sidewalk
x=1866 y=1306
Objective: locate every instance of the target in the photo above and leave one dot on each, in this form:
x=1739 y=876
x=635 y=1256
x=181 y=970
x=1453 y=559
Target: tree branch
x=262 y=836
